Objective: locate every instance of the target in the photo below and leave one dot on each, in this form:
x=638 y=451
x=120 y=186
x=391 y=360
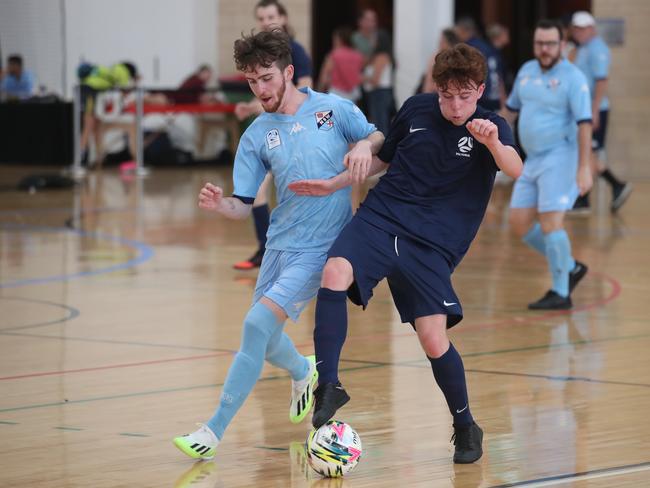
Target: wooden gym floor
x=120 y=313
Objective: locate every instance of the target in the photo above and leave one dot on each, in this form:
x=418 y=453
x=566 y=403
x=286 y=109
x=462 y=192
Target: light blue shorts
x=548 y=182
x=290 y=279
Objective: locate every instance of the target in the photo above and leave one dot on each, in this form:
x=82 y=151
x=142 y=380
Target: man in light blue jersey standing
x=593 y=58
x=302 y=134
x=554 y=105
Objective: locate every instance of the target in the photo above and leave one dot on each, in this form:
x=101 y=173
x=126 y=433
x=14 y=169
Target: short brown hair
x=461 y=65
x=263 y=49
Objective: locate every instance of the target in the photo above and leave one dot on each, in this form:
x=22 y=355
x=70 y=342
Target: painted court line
x=145 y=253
x=114 y=366
x=585 y=475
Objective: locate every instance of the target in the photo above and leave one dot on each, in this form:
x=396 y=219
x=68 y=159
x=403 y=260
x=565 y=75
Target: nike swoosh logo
x=462 y=410
x=448 y=304
x=412 y=130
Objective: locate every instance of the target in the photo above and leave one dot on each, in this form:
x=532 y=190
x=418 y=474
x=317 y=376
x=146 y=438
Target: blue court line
x=568 y=476
x=146 y=253
x=72 y=313
x=75 y=429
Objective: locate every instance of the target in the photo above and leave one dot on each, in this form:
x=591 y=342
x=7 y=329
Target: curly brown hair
x=462 y=66
x=263 y=49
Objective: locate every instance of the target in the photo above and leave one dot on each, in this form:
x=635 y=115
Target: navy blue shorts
x=598 y=137
x=419 y=277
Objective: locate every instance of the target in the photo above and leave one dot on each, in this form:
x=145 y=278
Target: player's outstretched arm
x=506 y=157
x=320 y=188
x=211 y=198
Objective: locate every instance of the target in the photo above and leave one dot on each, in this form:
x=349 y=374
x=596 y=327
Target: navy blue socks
x=261 y=221
x=449 y=372
x=329 y=333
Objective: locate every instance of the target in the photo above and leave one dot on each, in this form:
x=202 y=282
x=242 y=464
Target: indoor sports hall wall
x=628 y=87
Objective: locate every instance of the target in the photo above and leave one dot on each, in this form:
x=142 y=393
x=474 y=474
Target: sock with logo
x=535 y=239
x=260 y=325
x=261 y=221
x=560 y=261
x=449 y=372
x=329 y=333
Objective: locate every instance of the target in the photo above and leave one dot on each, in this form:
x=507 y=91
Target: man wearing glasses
x=554 y=105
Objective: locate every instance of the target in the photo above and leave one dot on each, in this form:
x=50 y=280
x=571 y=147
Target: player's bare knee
x=337 y=274
x=435 y=345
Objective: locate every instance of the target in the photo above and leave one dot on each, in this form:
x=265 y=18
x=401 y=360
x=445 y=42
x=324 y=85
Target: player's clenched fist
x=210 y=197
x=483 y=131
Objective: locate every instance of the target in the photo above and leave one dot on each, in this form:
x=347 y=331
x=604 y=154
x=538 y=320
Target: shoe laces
x=462 y=438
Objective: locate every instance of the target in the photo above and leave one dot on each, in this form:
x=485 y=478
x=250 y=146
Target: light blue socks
x=262 y=337
x=560 y=261
x=535 y=239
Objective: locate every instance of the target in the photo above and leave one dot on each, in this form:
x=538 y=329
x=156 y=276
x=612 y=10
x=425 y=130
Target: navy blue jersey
x=439 y=181
x=300 y=60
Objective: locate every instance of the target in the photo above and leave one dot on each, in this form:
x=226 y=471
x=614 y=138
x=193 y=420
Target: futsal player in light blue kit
x=302 y=134
x=554 y=104
x=593 y=58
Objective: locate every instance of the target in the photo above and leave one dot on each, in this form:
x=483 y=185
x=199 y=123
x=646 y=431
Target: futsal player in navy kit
x=415 y=226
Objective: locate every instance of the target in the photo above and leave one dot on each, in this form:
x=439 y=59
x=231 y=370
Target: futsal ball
x=333 y=449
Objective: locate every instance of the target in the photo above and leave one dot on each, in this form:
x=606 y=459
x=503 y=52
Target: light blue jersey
x=593 y=59
x=550 y=105
x=23 y=87
x=310 y=144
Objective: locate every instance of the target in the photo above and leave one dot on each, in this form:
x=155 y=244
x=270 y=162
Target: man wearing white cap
x=593 y=59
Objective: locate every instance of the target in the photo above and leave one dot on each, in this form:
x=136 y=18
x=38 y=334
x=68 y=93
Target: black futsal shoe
x=551 y=301
x=469 y=444
x=576 y=274
x=620 y=194
x=329 y=398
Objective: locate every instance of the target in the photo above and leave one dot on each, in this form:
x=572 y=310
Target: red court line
x=516 y=320
x=115 y=366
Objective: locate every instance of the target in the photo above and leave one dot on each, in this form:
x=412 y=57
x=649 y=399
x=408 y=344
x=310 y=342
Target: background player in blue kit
x=554 y=105
x=302 y=134
x=414 y=228
x=593 y=58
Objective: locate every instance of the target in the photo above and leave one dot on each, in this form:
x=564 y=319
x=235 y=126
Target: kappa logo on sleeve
x=273 y=138
x=324 y=119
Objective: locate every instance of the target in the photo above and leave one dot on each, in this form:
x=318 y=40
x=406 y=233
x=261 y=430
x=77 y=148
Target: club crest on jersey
x=465 y=145
x=273 y=138
x=553 y=84
x=324 y=119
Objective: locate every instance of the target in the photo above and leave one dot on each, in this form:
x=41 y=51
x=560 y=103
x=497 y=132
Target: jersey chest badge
x=554 y=84
x=465 y=145
x=324 y=119
x=273 y=138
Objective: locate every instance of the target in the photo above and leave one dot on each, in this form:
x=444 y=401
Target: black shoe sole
x=320 y=418
x=532 y=306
